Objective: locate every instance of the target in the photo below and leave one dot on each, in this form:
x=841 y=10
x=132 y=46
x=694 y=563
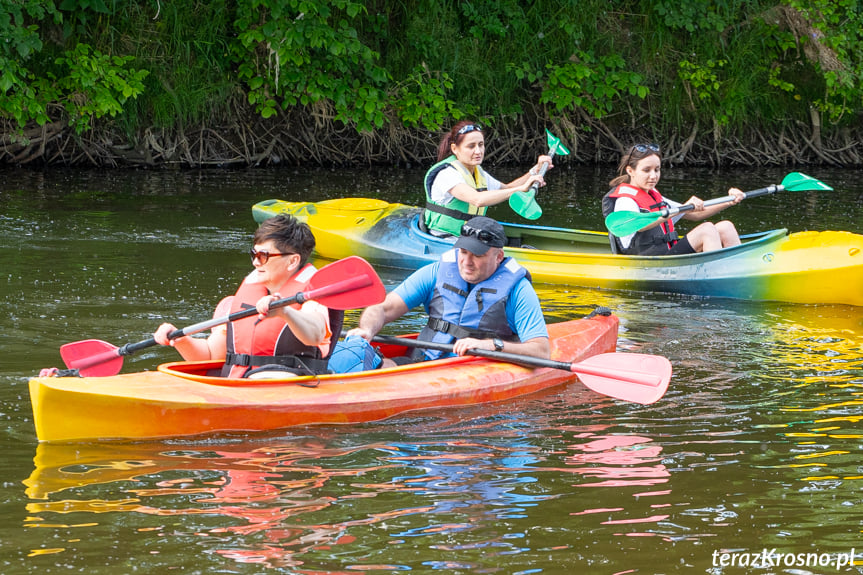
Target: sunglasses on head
x=641 y=149
x=644 y=148
x=469 y=128
x=482 y=235
x=264 y=256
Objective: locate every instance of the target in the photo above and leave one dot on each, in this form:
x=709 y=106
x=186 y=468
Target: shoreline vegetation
x=192 y=84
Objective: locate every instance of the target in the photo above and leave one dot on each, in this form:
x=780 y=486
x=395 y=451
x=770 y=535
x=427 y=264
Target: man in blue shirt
x=476 y=298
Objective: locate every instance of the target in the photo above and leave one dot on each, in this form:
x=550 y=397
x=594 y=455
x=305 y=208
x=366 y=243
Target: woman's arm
x=702 y=213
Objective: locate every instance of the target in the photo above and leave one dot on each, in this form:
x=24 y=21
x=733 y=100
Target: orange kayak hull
x=181 y=399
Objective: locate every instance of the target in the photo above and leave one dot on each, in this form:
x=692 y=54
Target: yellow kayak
x=803 y=267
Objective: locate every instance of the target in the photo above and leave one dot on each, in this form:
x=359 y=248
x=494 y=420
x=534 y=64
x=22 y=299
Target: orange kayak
x=181 y=399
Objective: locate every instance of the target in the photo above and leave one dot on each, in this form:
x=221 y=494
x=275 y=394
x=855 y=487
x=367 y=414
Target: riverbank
x=306 y=140
x=345 y=83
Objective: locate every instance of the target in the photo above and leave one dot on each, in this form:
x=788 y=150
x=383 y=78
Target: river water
x=752 y=458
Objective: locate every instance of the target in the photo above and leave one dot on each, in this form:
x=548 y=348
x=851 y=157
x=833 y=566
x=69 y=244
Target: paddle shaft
x=349 y=284
x=526 y=360
x=544 y=166
x=771 y=189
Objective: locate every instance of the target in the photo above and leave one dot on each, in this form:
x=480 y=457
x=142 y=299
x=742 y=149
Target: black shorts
x=680 y=248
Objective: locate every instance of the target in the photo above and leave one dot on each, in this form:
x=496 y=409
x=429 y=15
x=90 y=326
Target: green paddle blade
x=554 y=144
x=797 y=182
x=524 y=204
x=624 y=223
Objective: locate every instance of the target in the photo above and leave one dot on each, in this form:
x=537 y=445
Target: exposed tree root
x=313 y=138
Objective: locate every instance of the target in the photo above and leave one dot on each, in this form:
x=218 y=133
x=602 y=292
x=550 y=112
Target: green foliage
x=697 y=15
x=665 y=65
x=702 y=83
x=421 y=101
x=97 y=84
x=594 y=84
x=302 y=52
x=24 y=96
x=702 y=79
x=837 y=38
x=490 y=18
x=185 y=46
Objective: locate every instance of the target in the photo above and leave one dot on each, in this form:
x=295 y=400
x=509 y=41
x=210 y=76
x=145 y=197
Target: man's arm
x=536 y=347
x=377 y=316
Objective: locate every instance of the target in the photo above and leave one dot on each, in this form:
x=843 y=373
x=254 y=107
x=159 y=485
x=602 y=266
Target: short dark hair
x=288 y=234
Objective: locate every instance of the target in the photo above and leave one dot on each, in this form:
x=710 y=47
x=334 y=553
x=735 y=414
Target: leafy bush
x=373 y=65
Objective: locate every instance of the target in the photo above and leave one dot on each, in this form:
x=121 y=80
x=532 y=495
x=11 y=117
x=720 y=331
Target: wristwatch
x=498 y=344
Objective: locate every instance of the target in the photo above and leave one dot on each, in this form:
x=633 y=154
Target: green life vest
x=449 y=217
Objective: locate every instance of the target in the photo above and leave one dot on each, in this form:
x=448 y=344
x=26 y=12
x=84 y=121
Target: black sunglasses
x=264 y=256
x=469 y=128
x=484 y=236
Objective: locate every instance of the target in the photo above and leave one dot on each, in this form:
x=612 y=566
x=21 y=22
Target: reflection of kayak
x=803 y=267
x=60 y=467
x=180 y=399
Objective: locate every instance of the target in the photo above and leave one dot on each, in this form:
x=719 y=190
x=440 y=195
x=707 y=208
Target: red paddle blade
x=92 y=357
x=636 y=377
x=349 y=283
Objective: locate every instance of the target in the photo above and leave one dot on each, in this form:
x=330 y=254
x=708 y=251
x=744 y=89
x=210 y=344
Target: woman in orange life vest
x=457 y=188
x=634 y=189
x=297 y=337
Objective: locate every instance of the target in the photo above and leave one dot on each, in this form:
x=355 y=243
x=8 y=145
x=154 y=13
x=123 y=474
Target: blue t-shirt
x=523 y=311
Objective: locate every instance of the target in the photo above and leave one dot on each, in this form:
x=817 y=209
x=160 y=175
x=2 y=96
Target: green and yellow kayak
x=803 y=267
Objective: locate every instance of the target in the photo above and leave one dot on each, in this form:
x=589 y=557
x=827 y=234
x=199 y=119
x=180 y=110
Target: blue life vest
x=458 y=310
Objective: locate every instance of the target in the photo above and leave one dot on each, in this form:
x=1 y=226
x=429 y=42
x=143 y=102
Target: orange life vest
x=253 y=342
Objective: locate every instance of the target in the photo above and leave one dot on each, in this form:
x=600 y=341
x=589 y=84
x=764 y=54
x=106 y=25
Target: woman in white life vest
x=297 y=337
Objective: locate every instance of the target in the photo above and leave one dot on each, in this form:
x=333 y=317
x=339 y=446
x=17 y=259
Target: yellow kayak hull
x=804 y=267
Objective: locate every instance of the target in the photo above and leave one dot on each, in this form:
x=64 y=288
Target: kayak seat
x=337 y=320
x=272 y=371
x=517 y=243
x=615 y=244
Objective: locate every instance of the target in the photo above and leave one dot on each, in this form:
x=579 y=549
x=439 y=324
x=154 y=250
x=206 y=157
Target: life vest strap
x=308 y=365
x=666 y=238
x=455 y=289
x=457 y=331
x=448 y=212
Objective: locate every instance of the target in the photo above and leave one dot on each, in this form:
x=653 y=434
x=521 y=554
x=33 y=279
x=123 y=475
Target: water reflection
x=755 y=444
x=305 y=500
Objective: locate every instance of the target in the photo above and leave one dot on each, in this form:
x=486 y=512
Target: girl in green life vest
x=457 y=188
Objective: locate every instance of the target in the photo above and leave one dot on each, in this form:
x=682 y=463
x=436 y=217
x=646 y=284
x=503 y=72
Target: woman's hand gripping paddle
x=524 y=203
x=636 y=377
x=349 y=283
x=624 y=223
